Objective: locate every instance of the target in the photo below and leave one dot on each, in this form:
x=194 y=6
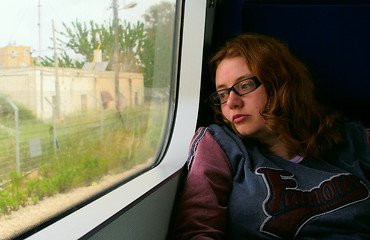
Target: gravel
x=32 y=215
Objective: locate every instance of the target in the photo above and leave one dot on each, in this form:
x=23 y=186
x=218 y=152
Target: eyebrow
x=223 y=86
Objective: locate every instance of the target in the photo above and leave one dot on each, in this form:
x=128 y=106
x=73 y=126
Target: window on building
x=13 y=54
x=81 y=153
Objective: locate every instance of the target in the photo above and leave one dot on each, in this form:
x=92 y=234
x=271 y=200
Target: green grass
x=84 y=156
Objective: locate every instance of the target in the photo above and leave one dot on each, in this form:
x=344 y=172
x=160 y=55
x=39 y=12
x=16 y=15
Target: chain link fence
x=26 y=144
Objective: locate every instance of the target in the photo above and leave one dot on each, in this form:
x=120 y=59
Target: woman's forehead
x=230 y=71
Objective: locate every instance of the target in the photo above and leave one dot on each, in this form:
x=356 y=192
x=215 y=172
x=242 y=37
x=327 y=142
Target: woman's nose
x=234 y=100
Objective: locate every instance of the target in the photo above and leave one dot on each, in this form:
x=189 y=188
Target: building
x=73 y=90
x=15 y=56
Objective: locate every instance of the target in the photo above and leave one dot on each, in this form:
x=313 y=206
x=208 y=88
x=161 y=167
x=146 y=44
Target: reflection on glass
x=83 y=101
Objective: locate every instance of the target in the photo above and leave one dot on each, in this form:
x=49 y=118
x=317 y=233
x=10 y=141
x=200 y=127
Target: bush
x=8 y=113
x=84 y=158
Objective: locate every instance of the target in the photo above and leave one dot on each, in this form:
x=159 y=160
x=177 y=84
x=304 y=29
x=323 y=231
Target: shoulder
x=210 y=136
x=354 y=125
x=205 y=150
x=356 y=134
x=219 y=145
x=354 y=155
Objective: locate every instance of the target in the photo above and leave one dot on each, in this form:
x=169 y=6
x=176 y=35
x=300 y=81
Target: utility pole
x=39 y=32
x=116 y=56
x=57 y=92
x=116 y=50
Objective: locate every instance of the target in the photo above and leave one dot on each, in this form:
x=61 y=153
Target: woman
x=278 y=164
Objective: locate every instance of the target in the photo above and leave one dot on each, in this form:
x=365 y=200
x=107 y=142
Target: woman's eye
x=246 y=85
x=222 y=95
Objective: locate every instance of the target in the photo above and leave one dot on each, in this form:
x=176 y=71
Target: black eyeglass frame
x=254 y=79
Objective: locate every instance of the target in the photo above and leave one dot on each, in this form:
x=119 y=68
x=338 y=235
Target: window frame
x=183 y=110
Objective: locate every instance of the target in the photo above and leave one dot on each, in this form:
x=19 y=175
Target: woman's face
x=244 y=112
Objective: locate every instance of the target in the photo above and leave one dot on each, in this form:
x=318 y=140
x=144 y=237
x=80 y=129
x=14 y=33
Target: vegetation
x=7 y=112
x=83 y=39
x=84 y=159
x=159 y=28
x=142 y=46
x=83 y=153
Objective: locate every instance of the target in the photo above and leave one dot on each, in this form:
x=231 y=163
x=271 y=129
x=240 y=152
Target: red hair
x=292 y=112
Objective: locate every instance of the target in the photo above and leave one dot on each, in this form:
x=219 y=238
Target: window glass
x=84 y=100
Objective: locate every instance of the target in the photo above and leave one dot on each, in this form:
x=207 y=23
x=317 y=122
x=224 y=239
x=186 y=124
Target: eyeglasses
x=241 y=88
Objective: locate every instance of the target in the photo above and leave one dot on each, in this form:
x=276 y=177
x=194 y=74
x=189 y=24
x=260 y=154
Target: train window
x=84 y=101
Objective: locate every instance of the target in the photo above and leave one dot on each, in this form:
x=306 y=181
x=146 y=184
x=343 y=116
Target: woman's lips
x=239 y=118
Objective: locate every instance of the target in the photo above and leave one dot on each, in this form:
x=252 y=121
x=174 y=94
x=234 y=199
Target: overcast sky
x=19 y=19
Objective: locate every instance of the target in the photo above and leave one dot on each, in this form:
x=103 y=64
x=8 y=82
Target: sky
x=19 y=19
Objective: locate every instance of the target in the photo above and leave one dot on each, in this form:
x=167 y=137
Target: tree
x=142 y=48
x=130 y=44
x=65 y=61
x=83 y=39
x=158 y=46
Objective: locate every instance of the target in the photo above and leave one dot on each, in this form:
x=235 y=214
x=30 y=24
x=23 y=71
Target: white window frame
x=82 y=221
